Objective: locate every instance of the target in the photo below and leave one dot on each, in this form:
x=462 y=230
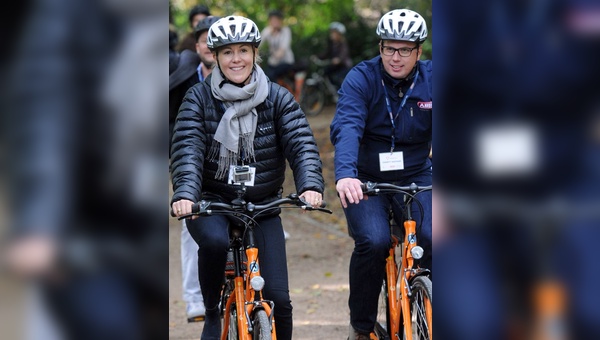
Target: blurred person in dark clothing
x=78 y=228
x=184 y=76
x=196 y=14
x=337 y=53
x=524 y=174
x=173 y=54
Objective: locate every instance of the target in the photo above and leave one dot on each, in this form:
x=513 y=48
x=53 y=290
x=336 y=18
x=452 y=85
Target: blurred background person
x=197 y=13
x=83 y=100
x=173 y=41
x=521 y=192
x=277 y=38
x=337 y=54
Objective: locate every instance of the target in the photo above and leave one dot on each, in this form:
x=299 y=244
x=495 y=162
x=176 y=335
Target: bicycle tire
x=421 y=302
x=232 y=331
x=382 y=325
x=313 y=100
x=262 y=326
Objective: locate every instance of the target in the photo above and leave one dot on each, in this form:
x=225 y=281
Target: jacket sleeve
x=348 y=124
x=298 y=143
x=188 y=148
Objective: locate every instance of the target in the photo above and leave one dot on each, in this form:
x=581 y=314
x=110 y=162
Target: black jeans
x=210 y=233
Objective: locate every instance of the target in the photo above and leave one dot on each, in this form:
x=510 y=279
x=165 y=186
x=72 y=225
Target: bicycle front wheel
x=420 y=308
x=262 y=326
x=382 y=326
x=232 y=330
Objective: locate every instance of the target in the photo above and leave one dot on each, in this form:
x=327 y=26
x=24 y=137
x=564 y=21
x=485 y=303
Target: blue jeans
x=368 y=225
x=210 y=233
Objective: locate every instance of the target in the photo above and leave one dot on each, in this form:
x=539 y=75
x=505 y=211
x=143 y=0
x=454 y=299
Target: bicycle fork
x=391 y=270
x=244 y=295
x=410 y=242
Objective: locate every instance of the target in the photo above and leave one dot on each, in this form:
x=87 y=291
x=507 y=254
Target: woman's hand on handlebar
x=349 y=191
x=183 y=207
x=313 y=198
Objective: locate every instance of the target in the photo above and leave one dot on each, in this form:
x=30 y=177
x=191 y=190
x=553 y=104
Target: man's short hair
x=276 y=13
x=198 y=9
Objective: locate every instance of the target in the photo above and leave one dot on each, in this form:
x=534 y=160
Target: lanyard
x=389 y=107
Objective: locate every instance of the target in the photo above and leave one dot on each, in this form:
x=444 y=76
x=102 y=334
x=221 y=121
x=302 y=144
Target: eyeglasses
x=404 y=51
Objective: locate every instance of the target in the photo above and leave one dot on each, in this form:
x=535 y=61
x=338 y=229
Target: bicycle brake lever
x=369 y=188
x=324 y=210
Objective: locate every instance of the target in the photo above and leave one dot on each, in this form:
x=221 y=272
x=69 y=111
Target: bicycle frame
x=243 y=294
x=400 y=276
x=238 y=287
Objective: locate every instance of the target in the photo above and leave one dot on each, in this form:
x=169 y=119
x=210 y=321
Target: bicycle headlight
x=416 y=252
x=257 y=283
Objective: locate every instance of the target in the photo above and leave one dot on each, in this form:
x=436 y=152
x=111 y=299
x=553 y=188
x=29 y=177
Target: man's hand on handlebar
x=349 y=191
x=183 y=207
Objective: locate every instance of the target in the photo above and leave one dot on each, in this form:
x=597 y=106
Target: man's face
x=395 y=65
x=203 y=51
x=275 y=22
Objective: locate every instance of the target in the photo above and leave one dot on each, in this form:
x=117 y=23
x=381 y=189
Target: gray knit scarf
x=237 y=127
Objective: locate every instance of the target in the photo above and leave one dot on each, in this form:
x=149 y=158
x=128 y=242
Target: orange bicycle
x=405 y=302
x=246 y=314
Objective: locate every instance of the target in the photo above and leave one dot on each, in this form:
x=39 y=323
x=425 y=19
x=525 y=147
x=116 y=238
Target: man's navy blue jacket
x=361 y=128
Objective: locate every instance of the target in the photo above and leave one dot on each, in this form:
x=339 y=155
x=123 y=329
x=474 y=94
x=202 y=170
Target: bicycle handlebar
x=205 y=208
x=373 y=188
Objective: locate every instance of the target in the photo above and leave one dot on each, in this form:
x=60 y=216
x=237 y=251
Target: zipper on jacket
x=411 y=111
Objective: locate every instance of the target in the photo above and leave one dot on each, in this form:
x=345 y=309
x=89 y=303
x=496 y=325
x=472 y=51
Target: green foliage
x=309 y=20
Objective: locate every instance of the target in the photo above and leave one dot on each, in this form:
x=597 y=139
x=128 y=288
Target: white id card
x=508 y=149
x=241 y=174
x=390 y=161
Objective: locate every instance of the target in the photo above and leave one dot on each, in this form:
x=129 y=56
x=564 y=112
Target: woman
x=238 y=117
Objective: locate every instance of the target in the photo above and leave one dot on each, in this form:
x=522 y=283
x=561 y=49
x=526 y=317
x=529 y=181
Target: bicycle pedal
x=198 y=318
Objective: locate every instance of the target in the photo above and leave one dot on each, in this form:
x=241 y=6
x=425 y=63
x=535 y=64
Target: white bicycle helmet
x=402 y=24
x=338 y=26
x=232 y=29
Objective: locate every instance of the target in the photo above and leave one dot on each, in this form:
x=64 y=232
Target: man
x=382 y=132
x=192 y=293
x=197 y=14
x=206 y=57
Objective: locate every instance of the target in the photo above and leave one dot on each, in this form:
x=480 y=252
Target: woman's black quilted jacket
x=282 y=133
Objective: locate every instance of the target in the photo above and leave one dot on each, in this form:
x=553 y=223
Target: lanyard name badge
x=394 y=160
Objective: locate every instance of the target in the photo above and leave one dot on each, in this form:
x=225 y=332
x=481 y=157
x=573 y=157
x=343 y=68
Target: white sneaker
x=195 y=311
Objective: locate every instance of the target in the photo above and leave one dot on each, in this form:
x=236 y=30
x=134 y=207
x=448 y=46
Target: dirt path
x=318 y=255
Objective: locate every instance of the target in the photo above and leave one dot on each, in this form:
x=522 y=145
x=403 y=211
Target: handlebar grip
x=172 y=213
x=196 y=208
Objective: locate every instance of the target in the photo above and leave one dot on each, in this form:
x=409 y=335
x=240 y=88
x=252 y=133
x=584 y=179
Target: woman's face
x=236 y=62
